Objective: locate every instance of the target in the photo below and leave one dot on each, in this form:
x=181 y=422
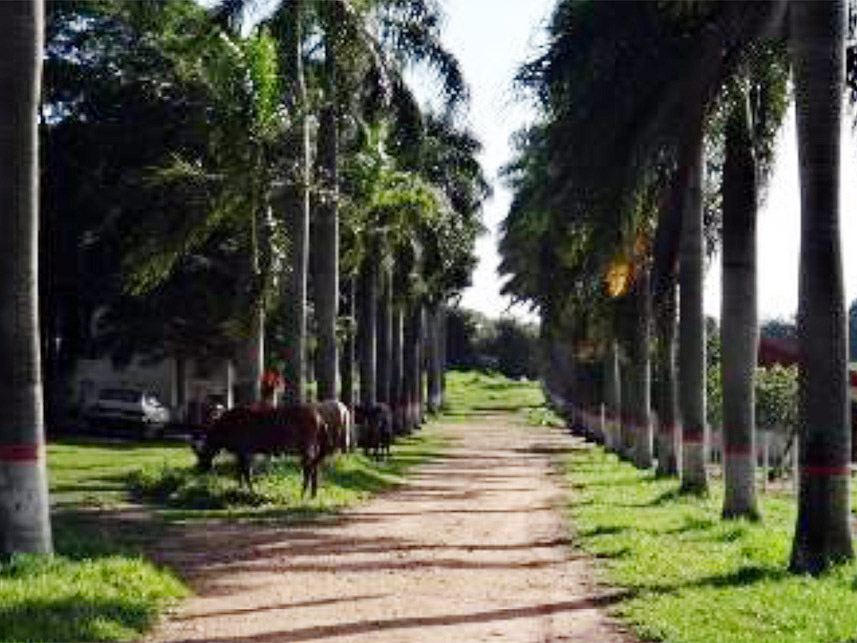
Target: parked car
x=129 y=408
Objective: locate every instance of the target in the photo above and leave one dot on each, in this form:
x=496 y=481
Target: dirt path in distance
x=474 y=548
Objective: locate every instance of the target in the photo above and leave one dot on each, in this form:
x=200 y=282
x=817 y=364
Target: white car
x=135 y=408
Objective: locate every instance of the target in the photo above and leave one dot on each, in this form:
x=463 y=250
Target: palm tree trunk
x=641 y=373
x=326 y=248
x=24 y=519
x=397 y=386
x=367 y=329
x=421 y=364
x=612 y=396
x=739 y=326
x=411 y=367
x=626 y=433
x=384 y=345
x=346 y=365
x=667 y=403
x=433 y=357
x=822 y=534
x=692 y=331
x=442 y=351
x=296 y=207
x=251 y=361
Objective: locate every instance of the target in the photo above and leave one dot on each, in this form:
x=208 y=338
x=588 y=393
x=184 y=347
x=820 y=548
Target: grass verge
x=98 y=586
x=694 y=577
x=61 y=598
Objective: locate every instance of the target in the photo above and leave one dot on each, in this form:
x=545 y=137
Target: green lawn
x=98 y=586
x=693 y=577
x=182 y=493
x=471 y=394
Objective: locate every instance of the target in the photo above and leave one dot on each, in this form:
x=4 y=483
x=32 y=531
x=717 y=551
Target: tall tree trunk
x=739 y=326
x=433 y=317
x=251 y=361
x=421 y=364
x=296 y=215
x=442 y=352
x=397 y=385
x=822 y=534
x=692 y=331
x=24 y=518
x=626 y=432
x=641 y=373
x=410 y=366
x=384 y=345
x=367 y=329
x=612 y=397
x=667 y=402
x=326 y=248
x=347 y=363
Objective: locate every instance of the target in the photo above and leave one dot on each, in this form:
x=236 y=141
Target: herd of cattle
x=310 y=431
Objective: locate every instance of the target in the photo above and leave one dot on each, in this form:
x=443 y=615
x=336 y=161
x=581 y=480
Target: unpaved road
x=473 y=549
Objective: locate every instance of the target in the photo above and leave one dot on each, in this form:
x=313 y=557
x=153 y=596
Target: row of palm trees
x=312 y=168
x=656 y=138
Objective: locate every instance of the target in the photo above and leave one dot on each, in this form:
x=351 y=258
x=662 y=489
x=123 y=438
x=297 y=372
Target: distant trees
x=505 y=345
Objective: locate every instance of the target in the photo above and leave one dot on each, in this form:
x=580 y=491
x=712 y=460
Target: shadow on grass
x=742 y=577
x=665 y=497
x=81 y=535
x=690 y=524
x=74 y=618
x=603 y=530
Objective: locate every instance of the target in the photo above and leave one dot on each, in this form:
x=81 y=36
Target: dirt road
x=473 y=549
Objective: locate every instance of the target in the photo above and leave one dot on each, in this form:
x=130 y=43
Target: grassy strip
x=86 y=472
x=693 y=576
x=345 y=479
x=472 y=394
x=65 y=599
x=98 y=586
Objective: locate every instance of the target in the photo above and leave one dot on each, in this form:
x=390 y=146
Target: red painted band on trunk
x=825 y=472
x=19 y=453
x=693 y=437
x=737 y=450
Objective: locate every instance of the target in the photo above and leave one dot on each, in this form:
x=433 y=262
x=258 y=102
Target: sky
x=491 y=38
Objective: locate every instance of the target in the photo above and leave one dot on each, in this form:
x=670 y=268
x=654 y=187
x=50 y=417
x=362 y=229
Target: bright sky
x=492 y=37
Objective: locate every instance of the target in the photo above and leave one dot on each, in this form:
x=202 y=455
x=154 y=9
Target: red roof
x=777 y=350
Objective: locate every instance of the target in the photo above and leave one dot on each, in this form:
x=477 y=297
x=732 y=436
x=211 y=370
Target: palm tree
x=665 y=321
x=612 y=395
x=642 y=370
x=375 y=40
x=822 y=534
x=292 y=205
x=739 y=326
x=385 y=333
x=691 y=348
x=24 y=518
x=326 y=229
x=367 y=324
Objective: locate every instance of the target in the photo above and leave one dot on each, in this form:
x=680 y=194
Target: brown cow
x=245 y=431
